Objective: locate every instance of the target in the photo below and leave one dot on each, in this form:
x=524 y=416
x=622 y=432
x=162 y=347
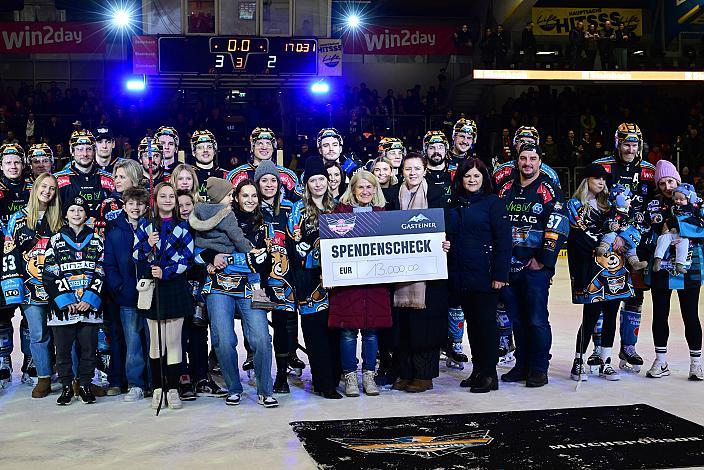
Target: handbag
x=145 y=290
x=690 y=227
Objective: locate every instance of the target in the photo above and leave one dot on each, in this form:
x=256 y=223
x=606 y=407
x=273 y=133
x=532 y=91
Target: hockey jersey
x=94 y=186
x=289 y=180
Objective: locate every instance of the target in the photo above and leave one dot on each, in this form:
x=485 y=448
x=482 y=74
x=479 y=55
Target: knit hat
x=688 y=191
x=217 y=188
x=76 y=201
x=314 y=167
x=665 y=169
x=266 y=167
x=594 y=170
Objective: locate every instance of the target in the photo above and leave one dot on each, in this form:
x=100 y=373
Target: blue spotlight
x=136 y=84
x=319 y=88
x=353 y=21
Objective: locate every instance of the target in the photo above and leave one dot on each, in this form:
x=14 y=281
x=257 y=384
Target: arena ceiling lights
x=589 y=75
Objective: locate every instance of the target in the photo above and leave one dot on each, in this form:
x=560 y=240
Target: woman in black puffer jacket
x=480 y=253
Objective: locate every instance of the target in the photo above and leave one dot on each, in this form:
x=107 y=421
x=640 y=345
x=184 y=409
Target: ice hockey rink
x=208 y=434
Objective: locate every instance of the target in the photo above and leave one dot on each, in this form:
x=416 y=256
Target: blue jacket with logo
x=538 y=218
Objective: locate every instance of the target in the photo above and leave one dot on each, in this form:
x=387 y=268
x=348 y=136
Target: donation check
x=381 y=247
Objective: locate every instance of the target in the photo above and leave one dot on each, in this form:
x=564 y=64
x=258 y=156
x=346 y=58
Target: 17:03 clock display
x=237 y=55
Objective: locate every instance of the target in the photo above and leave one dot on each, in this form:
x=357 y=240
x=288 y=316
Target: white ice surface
x=208 y=434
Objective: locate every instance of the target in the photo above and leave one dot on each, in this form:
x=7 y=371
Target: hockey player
x=507 y=171
x=152 y=162
x=82 y=177
x=14 y=194
x=440 y=172
x=41 y=160
x=464 y=138
x=204 y=149
x=330 y=147
x=168 y=137
x=104 y=145
x=262 y=147
x=628 y=168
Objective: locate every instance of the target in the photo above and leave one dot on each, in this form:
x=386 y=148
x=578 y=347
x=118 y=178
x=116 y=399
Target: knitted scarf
x=411 y=294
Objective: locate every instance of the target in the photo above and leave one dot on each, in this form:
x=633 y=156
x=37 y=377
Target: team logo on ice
x=426 y=447
x=342 y=226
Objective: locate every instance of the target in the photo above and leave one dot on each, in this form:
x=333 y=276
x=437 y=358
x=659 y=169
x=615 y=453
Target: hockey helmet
x=12 y=149
x=391 y=143
x=328 y=132
x=465 y=125
x=260 y=133
x=81 y=137
x=200 y=137
x=434 y=137
x=526 y=132
x=167 y=130
x=39 y=151
x=619 y=194
x=144 y=146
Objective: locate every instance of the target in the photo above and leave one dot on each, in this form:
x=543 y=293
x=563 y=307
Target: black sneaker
x=537 y=379
x=515 y=375
x=248 y=364
x=233 y=399
x=185 y=389
x=209 y=388
x=86 y=394
x=281 y=383
x=471 y=381
x=66 y=396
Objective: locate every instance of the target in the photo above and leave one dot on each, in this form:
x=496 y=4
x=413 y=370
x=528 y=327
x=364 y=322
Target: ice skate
x=295 y=365
x=455 y=357
x=5 y=372
x=508 y=359
x=579 y=371
x=594 y=361
x=29 y=371
x=630 y=361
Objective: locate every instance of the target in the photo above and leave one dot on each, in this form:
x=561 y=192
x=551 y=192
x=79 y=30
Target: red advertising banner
x=408 y=40
x=51 y=38
x=145 y=55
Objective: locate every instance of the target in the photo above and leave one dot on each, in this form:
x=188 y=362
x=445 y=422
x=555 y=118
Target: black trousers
x=422 y=364
x=480 y=315
x=689 y=307
x=590 y=315
x=86 y=337
x=194 y=344
x=323 y=346
x=285 y=326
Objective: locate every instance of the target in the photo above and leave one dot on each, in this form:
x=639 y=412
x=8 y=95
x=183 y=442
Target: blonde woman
x=184 y=177
x=26 y=239
x=384 y=171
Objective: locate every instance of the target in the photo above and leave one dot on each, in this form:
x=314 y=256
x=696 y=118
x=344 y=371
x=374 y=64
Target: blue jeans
x=134 y=327
x=221 y=310
x=527 y=304
x=348 y=349
x=38 y=337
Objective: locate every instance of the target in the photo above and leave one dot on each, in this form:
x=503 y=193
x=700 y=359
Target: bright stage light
x=319 y=88
x=136 y=84
x=353 y=21
x=121 y=18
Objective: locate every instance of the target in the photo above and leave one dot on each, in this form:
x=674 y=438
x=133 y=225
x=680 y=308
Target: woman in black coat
x=419 y=308
x=480 y=254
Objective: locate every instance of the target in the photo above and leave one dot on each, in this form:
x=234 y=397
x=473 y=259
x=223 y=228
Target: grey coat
x=215 y=227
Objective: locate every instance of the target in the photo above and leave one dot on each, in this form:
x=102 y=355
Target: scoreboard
x=215 y=55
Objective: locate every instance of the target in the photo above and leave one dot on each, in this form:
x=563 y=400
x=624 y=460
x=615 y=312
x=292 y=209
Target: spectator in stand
x=591 y=46
x=586 y=149
x=607 y=42
x=599 y=150
x=621 y=44
x=569 y=149
x=655 y=154
x=389 y=102
x=502 y=43
x=55 y=132
x=587 y=121
x=486 y=46
x=529 y=46
x=30 y=128
x=551 y=154
x=692 y=148
x=464 y=47
x=576 y=45
x=10 y=138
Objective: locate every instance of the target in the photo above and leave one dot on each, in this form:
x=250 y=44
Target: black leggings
x=689 y=307
x=482 y=331
x=590 y=315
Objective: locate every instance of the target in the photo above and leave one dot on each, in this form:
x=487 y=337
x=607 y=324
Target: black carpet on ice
x=634 y=436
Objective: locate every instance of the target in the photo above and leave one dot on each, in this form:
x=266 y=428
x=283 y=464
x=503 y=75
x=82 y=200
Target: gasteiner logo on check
x=343 y=226
x=418 y=221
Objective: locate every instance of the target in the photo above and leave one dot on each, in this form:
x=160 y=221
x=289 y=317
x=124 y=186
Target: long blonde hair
x=582 y=194
x=194 y=190
x=312 y=210
x=349 y=197
x=52 y=215
x=393 y=181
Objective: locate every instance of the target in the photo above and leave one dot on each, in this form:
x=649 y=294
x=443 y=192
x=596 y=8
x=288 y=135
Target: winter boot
x=351 y=384
x=368 y=383
x=281 y=381
x=43 y=387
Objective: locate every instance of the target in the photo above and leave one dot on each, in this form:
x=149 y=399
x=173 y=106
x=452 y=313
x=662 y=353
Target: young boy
x=121 y=277
x=73 y=278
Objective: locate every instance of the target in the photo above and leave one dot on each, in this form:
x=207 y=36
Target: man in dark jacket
x=576 y=45
x=529 y=46
x=536 y=210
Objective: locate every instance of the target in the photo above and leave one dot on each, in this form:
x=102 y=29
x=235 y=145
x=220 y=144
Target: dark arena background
x=574 y=70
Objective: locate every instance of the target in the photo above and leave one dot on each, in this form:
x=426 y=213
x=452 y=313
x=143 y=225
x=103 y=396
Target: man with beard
x=105 y=144
x=628 y=168
x=82 y=177
x=507 y=171
x=536 y=210
x=14 y=194
x=168 y=137
x=204 y=149
x=152 y=163
x=262 y=145
x=464 y=138
x=41 y=160
x=435 y=147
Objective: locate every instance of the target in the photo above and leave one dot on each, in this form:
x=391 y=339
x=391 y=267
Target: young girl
x=73 y=278
x=165 y=245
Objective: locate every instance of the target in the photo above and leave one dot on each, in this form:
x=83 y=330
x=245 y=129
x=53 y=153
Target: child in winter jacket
x=73 y=278
x=620 y=223
x=685 y=205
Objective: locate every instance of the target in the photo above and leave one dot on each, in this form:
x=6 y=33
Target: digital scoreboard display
x=217 y=55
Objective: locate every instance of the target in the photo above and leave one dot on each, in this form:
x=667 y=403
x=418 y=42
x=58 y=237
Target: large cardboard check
x=381 y=247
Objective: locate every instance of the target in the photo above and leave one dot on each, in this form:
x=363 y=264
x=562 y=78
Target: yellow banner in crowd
x=560 y=21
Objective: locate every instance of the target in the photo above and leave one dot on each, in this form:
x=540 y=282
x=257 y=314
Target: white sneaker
x=233 y=399
x=174 y=400
x=607 y=372
x=134 y=394
x=658 y=369
x=156 y=398
x=695 y=371
x=267 y=401
x=369 y=384
x=351 y=384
